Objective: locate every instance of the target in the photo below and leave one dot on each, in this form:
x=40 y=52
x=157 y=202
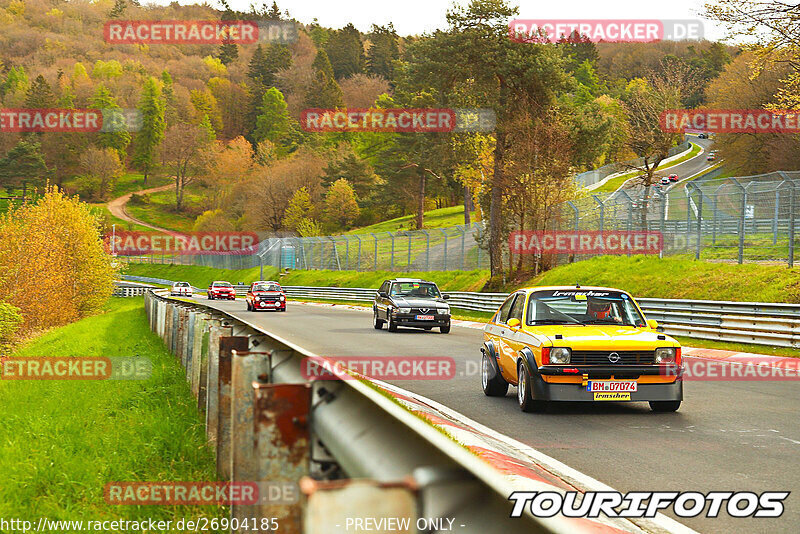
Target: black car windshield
x=422 y=290
x=266 y=287
x=222 y=284
x=182 y=284
x=583 y=307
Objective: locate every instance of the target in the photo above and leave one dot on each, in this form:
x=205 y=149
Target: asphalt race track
x=727 y=436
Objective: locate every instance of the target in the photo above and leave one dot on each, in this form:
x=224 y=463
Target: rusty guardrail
x=323 y=452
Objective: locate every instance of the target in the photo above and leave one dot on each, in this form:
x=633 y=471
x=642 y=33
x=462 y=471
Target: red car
x=221 y=290
x=673 y=177
x=266 y=296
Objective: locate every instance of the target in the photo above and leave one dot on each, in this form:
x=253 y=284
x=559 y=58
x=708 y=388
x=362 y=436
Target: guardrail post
x=245 y=368
x=199 y=359
x=188 y=346
x=741 y=219
x=216 y=332
x=226 y=347
x=282 y=450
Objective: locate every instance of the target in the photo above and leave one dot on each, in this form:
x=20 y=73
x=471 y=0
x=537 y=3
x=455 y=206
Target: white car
x=665 y=181
x=181 y=289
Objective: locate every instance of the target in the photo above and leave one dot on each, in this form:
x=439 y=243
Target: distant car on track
x=221 y=290
x=579 y=344
x=702 y=135
x=266 y=295
x=410 y=302
x=673 y=177
x=711 y=156
x=665 y=181
x=181 y=289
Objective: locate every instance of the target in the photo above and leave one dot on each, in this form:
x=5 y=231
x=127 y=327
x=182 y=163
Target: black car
x=410 y=302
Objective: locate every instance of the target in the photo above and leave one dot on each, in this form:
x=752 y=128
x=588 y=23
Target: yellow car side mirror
x=652 y=323
x=513 y=323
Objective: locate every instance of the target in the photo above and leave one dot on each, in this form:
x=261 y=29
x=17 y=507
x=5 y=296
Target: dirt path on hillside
x=117 y=207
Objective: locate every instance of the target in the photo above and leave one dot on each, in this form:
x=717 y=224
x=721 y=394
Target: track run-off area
x=727 y=435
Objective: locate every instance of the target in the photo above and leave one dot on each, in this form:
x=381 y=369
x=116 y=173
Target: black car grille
x=268 y=298
x=424 y=311
x=601 y=357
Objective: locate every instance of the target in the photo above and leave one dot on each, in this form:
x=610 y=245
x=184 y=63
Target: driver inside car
x=600 y=310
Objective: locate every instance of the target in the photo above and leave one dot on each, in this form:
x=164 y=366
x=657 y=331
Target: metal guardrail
x=760 y=323
x=128 y=289
x=269 y=426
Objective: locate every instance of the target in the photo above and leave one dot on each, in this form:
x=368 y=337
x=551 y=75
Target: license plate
x=612 y=396
x=425 y=317
x=611 y=386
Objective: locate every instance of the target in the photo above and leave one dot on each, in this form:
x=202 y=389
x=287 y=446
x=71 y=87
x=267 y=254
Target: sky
x=419 y=16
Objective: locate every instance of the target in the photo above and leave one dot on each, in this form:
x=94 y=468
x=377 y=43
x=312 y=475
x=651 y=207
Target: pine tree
x=118 y=10
x=346 y=52
x=151 y=133
x=323 y=92
x=114 y=133
x=228 y=50
x=40 y=95
x=22 y=165
x=206 y=126
x=273 y=122
x=168 y=93
x=383 y=52
x=274 y=12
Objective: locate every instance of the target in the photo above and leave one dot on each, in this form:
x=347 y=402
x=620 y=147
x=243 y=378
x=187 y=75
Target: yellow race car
x=579 y=344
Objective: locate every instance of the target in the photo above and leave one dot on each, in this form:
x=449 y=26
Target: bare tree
x=103 y=164
x=184 y=151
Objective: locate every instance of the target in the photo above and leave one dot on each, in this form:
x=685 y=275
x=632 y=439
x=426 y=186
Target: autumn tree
x=300 y=210
x=103 y=167
x=341 y=206
x=383 y=52
x=53 y=265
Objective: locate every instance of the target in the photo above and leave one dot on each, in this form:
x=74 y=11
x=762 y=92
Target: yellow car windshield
x=583 y=307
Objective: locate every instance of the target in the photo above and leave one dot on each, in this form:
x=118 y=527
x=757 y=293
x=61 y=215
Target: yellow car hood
x=600 y=337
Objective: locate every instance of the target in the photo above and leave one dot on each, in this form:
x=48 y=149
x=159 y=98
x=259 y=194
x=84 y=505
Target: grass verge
x=62 y=441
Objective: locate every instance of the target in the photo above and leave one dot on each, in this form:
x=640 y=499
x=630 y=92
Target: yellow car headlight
x=665 y=355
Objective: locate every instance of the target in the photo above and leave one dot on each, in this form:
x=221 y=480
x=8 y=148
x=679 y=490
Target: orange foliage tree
x=53 y=264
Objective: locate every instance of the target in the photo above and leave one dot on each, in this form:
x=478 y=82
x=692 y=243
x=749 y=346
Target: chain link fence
x=754 y=218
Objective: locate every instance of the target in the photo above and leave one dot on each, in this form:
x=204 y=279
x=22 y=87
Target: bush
x=53 y=263
x=10 y=321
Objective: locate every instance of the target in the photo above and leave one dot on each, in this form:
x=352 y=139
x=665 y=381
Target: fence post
x=358 y=261
x=346 y=253
x=444 y=267
x=427 y=250
x=716 y=215
x=391 y=264
x=576 y=221
x=699 y=221
x=602 y=212
x=741 y=219
x=463 y=245
x=408 y=260
x=478 y=241
x=788 y=181
x=375 y=267
x=775 y=216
